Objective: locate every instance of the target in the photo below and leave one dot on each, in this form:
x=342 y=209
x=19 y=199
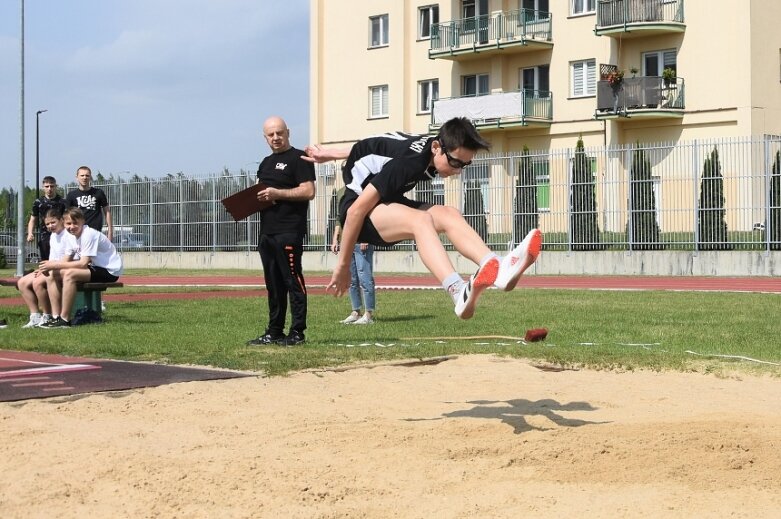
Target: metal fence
x=720 y=194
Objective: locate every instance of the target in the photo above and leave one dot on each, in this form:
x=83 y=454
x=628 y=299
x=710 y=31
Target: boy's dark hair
x=74 y=213
x=55 y=212
x=50 y=179
x=459 y=132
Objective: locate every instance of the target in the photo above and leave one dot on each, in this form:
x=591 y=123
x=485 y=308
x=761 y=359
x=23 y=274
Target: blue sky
x=150 y=87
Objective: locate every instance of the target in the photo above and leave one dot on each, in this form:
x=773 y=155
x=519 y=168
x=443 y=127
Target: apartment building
x=542 y=74
x=538 y=73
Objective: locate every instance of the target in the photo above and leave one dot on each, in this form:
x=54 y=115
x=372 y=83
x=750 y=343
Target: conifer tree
x=711 y=222
x=474 y=208
x=526 y=215
x=583 y=203
x=775 y=204
x=643 y=227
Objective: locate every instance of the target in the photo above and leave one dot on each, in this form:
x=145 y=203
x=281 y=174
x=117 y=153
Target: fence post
x=768 y=194
x=696 y=205
x=568 y=164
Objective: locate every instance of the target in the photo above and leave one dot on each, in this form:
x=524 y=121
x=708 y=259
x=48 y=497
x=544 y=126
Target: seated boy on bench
x=92 y=258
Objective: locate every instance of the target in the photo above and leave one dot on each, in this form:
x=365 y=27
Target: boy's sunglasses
x=454 y=162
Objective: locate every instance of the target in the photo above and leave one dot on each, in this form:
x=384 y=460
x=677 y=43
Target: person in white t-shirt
x=91 y=258
x=33 y=286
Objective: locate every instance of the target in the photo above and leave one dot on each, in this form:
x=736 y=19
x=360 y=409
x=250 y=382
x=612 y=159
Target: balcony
x=500 y=110
x=511 y=31
x=628 y=18
x=641 y=97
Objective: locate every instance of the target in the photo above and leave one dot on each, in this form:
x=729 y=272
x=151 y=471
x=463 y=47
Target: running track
x=317 y=284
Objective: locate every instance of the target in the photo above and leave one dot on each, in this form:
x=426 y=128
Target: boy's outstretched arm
x=356 y=215
x=318 y=155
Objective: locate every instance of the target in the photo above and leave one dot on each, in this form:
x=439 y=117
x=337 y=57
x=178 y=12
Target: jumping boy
x=380 y=170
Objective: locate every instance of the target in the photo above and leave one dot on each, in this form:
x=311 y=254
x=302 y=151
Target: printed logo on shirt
x=281 y=165
x=419 y=144
x=87 y=202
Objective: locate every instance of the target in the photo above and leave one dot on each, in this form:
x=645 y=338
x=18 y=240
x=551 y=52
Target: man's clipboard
x=245 y=203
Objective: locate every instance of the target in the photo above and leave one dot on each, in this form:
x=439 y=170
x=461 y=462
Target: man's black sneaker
x=293 y=338
x=3 y=323
x=59 y=322
x=266 y=339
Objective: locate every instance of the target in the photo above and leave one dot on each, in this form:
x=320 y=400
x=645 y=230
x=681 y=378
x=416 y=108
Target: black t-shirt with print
x=91 y=202
x=43 y=205
x=285 y=170
x=393 y=163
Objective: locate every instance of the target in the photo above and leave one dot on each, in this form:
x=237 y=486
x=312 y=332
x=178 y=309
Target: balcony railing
x=479 y=33
x=501 y=109
x=637 y=13
x=641 y=94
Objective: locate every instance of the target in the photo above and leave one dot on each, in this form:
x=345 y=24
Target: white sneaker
x=353 y=317
x=520 y=259
x=470 y=292
x=35 y=320
x=365 y=319
x=45 y=320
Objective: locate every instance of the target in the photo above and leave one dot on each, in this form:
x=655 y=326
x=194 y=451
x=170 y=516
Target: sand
x=474 y=436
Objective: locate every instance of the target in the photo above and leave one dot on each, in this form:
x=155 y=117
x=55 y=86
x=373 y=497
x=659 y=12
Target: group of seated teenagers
x=78 y=254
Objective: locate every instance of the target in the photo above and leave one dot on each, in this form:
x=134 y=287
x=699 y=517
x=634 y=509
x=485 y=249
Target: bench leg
x=90 y=299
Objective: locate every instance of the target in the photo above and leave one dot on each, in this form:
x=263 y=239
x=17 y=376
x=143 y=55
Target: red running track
x=317 y=284
x=684 y=283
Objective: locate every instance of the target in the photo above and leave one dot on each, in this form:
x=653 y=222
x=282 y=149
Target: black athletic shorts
x=101 y=275
x=368 y=232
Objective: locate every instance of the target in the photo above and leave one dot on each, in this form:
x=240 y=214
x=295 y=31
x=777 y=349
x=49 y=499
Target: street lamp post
x=37 y=155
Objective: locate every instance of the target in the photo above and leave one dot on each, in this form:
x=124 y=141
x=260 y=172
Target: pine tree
x=711 y=222
x=583 y=203
x=525 y=209
x=474 y=208
x=643 y=227
x=775 y=204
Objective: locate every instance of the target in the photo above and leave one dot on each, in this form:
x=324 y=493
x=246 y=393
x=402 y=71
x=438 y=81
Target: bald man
x=290 y=185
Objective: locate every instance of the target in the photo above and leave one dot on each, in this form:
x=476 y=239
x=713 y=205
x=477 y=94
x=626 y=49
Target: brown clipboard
x=245 y=203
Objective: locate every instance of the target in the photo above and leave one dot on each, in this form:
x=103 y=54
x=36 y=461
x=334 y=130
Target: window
x=541 y=168
x=427 y=16
x=535 y=81
x=476 y=85
x=428 y=92
x=378 y=31
x=583 y=6
x=378 y=101
x=583 y=75
x=655 y=62
x=535 y=5
x=468 y=9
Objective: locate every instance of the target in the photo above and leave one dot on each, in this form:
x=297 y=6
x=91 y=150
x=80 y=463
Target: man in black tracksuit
x=290 y=185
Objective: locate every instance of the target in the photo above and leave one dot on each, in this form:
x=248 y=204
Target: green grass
x=597 y=329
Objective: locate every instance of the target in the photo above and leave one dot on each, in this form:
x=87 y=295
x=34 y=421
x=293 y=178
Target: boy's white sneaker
x=466 y=300
x=520 y=259
x=35 y=320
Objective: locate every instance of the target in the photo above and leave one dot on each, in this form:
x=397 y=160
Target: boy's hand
x=340 y=281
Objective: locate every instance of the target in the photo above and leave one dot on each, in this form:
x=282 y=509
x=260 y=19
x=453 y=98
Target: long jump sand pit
x=475 y=436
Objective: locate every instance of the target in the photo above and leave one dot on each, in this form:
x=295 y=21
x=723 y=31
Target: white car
x=9 y=247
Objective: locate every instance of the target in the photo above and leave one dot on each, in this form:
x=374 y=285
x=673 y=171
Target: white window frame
x=537 y=72
x=479 y=79
x=665 y=58
x=582 y=7
x=586 y=72
x=379 y=92
x=381 y=39
x=432 y=12
x=428 y=90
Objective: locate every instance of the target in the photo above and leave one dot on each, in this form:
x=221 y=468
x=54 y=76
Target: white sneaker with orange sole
x=466 y=301
x=520 y=259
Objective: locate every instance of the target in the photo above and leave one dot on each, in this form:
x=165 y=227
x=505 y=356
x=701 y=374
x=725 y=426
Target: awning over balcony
x=511 y=108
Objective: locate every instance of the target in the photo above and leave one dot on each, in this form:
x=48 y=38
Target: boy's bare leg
x=396 y=222
x=451 y=222
x=25 y=285
x=54 y=289
x=69 y=279
x=39 y=286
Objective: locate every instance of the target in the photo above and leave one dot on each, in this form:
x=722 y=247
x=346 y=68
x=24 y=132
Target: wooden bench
x=88 y=295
